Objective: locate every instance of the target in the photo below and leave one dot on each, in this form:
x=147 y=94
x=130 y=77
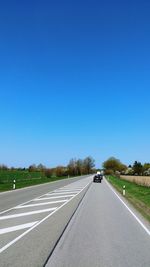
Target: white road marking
x=17 y=227
x=72 y=188
x=45 y=198
x=13 y=191
x=137 y=219
x=66 y=190
x=26 y=213
x=23 y=202
x=40 y=204
x=60 y=193
x=20 y=204
x=44 y=219
x=49 y=183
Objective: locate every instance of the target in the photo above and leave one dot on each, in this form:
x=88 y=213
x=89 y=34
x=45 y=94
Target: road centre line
x=44 y=219
x=26 y=213
x=17 y=227
x=46 y=198
x=133 y=214
x=40 y=204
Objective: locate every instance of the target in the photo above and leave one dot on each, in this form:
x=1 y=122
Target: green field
x=23 y=179
x=138 y=195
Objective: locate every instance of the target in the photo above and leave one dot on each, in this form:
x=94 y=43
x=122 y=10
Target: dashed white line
x=17 y=227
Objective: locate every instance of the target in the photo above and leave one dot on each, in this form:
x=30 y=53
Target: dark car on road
x=98 y=178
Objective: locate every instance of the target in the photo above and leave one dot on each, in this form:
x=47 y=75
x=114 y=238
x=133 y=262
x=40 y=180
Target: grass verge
x=138 y=195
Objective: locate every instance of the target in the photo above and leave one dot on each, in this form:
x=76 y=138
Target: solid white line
x=45 y=198
x=40 y=204
x=16 y=228
x=137 y=219
x=26 y=214
x=44 y=219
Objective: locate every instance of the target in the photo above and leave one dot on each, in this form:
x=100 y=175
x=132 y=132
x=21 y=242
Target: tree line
x=75 y=167
x=115 y=166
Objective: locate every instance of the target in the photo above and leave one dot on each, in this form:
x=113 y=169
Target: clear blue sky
x=74 y=81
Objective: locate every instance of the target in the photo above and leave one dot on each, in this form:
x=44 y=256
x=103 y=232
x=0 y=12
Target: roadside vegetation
x=136 y=179
x=38 y=174
x=140 y=180
x=138 y=195
x=115 y=166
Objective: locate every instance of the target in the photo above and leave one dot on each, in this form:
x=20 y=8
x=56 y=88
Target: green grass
x=23 y=179
x=138 y=195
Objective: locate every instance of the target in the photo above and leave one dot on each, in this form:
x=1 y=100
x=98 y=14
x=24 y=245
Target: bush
x=108 y=172
x=48 y=173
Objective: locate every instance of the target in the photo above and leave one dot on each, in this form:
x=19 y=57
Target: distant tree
x=80 y=166
x=137 y=168
x=122 y=168
x=89 y=164
x=32 y=168
x=49 y=173
x=3 y=167
x=60 y=171
x=146 y=166
x=129 y=171
x=41 y=167
x=72 y=167
x=113 y=165
x=108 y=172
x=147 y=172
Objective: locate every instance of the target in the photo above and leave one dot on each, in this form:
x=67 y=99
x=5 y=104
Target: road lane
x=28 y=232
x=12 y=198
x=102 y=233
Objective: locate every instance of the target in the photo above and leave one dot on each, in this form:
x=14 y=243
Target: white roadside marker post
x=14 y=184
x=124 y=190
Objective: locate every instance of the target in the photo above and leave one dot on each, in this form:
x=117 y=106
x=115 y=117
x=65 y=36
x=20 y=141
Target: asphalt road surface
x=102 y=233
x=35 y=218
x=72 y=223
x=12 y=198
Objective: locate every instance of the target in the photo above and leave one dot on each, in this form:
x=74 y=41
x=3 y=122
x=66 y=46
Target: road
x=35 y=218
x=72 y=223
x=12 y=198
x=103 y=233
